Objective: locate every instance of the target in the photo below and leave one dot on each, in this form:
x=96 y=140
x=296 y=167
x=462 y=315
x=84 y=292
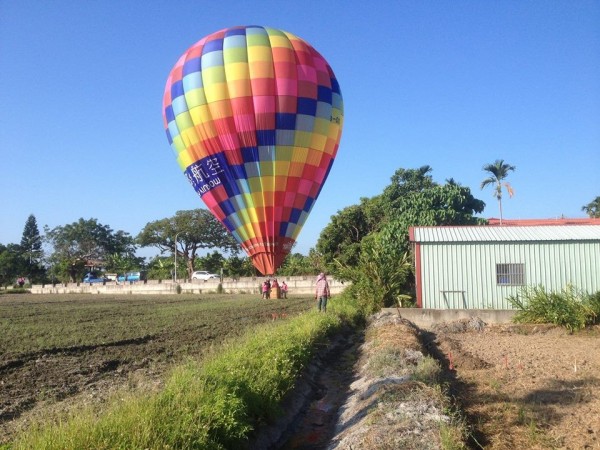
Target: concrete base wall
x=426 y=318
x=296 y=286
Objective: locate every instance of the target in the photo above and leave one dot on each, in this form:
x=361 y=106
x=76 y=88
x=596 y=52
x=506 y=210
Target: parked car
x=132 y=276
x=203 y=275
x=93 y=278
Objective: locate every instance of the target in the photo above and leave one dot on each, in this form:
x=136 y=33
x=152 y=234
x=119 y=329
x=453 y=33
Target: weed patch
x=568 y=308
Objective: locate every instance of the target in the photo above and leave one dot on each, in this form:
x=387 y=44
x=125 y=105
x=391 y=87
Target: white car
x=203 y=275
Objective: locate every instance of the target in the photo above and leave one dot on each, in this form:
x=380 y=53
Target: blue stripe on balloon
x=285 y=121
x=235 y=31
x=265 y=137
x=283 y=228
x=212 y=46
x=324 y=94
x=249 y=154
x=227 y=207
x=227 y=224
x=176 y=89
x=169 y=114
x=307 y=106
x=308 y=204
x=191 y=66
x=335 y=86
x=295 y=215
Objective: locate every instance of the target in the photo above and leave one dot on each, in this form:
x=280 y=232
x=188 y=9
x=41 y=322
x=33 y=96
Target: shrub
x=593 y=302
x=568 y=308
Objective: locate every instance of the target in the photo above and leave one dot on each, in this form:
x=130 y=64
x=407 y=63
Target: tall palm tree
x=592 y=209
x=498 y=172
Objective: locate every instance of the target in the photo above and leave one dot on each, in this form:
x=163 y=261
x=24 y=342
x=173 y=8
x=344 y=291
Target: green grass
x=215 y=403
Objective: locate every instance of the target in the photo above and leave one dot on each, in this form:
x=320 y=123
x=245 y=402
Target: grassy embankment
x=216 y=403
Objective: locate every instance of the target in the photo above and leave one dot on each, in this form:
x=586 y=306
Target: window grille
x=510 y=274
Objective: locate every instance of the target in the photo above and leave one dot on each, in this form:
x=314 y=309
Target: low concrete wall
x=247 y=285
x=426 y=318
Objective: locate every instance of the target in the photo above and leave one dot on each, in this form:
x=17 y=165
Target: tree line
x=366 y=243
x=67 y=252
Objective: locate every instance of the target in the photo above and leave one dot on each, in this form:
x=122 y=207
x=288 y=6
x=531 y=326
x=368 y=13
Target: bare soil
x=524 y=386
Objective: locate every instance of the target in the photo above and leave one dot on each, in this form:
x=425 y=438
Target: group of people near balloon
x=322 y=292
x=279 y=291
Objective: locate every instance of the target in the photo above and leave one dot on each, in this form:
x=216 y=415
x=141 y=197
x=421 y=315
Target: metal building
x=478 y=267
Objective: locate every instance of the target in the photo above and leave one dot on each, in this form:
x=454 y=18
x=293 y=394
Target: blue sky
x=451 y=84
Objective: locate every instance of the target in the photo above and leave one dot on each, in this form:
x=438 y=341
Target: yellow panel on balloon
x=236 y=71
x=195 y=97
x=299 y=154
x=318 y=141
x=216 y=92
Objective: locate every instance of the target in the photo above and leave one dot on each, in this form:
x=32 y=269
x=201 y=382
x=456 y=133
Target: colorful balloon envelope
x=254 y=116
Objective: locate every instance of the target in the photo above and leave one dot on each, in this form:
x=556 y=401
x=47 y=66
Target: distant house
x=478 y=267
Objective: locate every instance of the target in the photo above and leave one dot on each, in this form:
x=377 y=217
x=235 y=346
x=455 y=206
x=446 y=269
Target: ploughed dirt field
x=58 y=351
x=523 y=386
x=517 y=386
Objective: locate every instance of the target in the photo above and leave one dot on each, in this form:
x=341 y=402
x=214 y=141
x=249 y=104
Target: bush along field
x=569 y=308
x=215 y=403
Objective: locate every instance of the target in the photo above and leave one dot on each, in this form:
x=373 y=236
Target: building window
x=510 y=274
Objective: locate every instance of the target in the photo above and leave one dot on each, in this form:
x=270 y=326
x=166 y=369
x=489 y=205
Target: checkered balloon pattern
x=254 y=116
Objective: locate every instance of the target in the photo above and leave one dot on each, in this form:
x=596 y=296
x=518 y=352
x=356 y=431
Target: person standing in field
x=284 y=289
x=322 y=293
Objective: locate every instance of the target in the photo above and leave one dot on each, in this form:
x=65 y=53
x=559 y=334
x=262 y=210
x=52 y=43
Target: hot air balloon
x=254 y=116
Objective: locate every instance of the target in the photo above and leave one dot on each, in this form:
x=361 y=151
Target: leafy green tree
x=211 y=262
x=376 y=258
x=160 y=268
x=236 y=267
x=592 y=209
x=31 y=250
x=381 y=275
x=498 y=172
x=404 y=182
x=186 y=233
x=86 y=244
x=340 y=239
x=297 y=264
x=12 y=264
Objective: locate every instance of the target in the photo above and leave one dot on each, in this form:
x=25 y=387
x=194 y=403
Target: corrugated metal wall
x=463 y=275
